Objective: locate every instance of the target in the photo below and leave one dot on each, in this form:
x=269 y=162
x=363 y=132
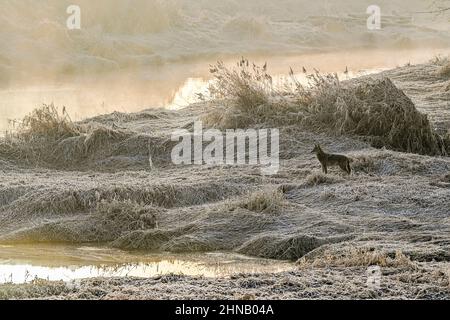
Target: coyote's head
x=316 y=149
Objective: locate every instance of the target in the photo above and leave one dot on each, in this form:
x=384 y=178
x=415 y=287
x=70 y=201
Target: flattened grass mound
x=37 y=135
x=49 y=138
x=286 y=248
x=317 y=178
x=353 y=256
x=47 y=123
x=118 y=217
x=275 y=247
x=374 y=109
x=265 y=201
x=110 y=220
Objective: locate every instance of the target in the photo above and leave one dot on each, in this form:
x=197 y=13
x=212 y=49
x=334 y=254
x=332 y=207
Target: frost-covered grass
x=392 y=211
x=310 y=283
x=445 y=70
x=356 y=256
x=263 y=201
x=444 y=66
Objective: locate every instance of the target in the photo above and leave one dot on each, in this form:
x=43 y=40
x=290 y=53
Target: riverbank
x=98 y=187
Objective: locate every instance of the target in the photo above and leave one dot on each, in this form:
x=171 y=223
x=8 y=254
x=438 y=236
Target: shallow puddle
x=24 y=263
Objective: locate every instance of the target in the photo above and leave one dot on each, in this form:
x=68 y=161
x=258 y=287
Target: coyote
x=332 y=160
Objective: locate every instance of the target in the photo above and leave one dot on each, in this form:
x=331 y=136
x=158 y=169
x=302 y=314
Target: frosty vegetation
x=375 y=109
x=91 y=182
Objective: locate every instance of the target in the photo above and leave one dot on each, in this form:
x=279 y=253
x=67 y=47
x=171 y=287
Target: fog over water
x=94 y=204
x=135 y=54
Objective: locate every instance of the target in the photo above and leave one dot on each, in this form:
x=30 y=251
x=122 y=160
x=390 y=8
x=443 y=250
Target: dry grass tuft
x=49 y=137
x=447 y=87
x=37 y=288
x=355 y=257
x=282 y=248
x=118 y=217
x=447 y=140
x=100 y=136
x=447 y=274
x=250 y=96
x=363 y=163
x=444 y=71
x=47 y=123
x=249 y=86
x=38 y=134
x=264 y=201
x=317 y=178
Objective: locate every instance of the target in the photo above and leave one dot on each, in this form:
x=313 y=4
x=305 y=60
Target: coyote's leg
x=345 y=167
x=324 y=168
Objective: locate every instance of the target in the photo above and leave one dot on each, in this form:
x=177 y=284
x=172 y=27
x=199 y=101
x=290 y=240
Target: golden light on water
x=24 y=263
x=168 y=87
